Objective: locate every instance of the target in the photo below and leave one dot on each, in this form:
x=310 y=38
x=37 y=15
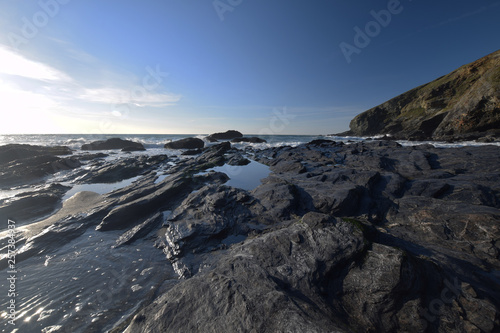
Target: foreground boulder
x=267 y=284
x=187 y=143
x=228 y=135
x=114 y=143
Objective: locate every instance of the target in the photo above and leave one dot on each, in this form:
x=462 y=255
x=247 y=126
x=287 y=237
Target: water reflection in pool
x=246 y=177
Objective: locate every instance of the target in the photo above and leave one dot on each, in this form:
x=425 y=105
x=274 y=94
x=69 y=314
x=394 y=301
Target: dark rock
x=228 y=135
x=167 y=194
x=204 y=219
x=90 y=157
x=140 y=230
x=321 y=143
x=278 y=200
x=12 y=152
x=237 y=160
x=28 y=206
x=133 y=148
x=212 y=156
x=371 y=290
x=187 y=143
x=122 y=169
x=114 y=143
x=32 y=169
x=485 y=139
x=279 y=273
x=127 y=214
x=287 y=167
x=252 y=139
x=192 y=152
x=466 y=229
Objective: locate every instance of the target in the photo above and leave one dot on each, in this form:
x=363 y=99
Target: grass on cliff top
x=413 y=113
x=495 y=78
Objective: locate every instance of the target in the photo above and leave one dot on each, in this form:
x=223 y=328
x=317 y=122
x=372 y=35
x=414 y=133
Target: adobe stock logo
x=363 y=37
x=30 y=27
x=221 y=7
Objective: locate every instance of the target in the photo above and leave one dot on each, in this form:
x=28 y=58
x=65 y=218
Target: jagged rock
x=12 y=152
x=212 y=156
x=192 y=152
x=321 y=143
x=114 y=143
x=122 y=169
x=187 y=143
x=139 y=231
x=238 y=160
x=91 y=157
x=24 y=164
x=133 y=148
x=204 y=219
x=32 y=169
x=27 y=206
x=460 y=226
x=167 y=194
x=228 y=135
x=278 y=200
x=267 y=284
x=252 y=139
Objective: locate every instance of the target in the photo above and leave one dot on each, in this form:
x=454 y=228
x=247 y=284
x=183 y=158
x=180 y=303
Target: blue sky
x=191 y=66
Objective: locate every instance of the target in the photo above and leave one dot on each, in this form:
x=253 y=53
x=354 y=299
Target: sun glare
x=25 y=112
x=14 y=64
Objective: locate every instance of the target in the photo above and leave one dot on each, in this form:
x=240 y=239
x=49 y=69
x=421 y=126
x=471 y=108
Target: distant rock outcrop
x=228 y=135
x=114 y=143
x=23 y=164
x=252 y=139
x=187 y=143
x=12 y=152
x=464 y=104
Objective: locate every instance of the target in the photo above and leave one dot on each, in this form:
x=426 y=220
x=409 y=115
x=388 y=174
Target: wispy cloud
x=61 y=86
x=136 y=96
x=42 y=95
x=12 y=63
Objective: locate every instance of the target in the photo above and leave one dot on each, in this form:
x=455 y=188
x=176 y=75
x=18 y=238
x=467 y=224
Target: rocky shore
x=362 y=237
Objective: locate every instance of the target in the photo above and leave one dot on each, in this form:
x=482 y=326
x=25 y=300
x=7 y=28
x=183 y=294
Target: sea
x=86 y=285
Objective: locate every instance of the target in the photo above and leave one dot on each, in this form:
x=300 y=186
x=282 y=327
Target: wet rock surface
x=25 y=207
x=25 y=164
x=12 y=152
x=362 y=237
x=125 y=168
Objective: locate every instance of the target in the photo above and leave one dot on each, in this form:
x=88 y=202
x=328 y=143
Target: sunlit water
x=100 y=188
x=246 y=177
x=85 y=284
